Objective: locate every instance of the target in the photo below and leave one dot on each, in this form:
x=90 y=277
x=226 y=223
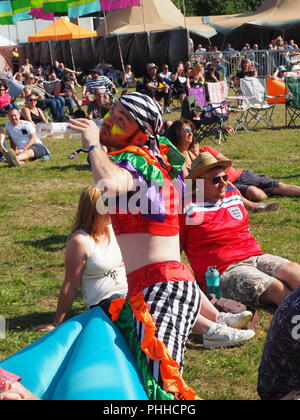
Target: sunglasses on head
x=187 y=130
x=217 y=179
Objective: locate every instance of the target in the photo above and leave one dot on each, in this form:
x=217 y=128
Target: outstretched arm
x=75 y=260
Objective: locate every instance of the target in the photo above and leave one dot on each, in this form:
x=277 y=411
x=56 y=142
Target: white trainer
x=239 y=321
x=223 y=336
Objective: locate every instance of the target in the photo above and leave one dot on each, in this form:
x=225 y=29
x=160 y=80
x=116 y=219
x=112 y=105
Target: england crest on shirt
x=236 y=213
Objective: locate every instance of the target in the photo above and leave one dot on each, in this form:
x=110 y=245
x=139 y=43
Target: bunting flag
x=55 y=6
x=108 y=5
x=40 y=14
x=37 y=10
x=5 y=13
x=21 y=10
x=83 y=7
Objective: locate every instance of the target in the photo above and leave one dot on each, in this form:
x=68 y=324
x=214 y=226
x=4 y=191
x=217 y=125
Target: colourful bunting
x=40 y=14
x=55 y=6
x=83 y=7
x=20 y=10
x=108 y=5
x=15 y=10
x=37 y=10
x=5 y=13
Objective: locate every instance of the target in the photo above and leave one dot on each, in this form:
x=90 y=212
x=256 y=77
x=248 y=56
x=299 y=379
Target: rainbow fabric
x=82 y=7
x=12 y=11
x=37 y=10
x=21 y=10
x=109 y=5
x=5 y=13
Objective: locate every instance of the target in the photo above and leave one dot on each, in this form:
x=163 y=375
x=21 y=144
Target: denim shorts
x=247 y=280
x=39 y=151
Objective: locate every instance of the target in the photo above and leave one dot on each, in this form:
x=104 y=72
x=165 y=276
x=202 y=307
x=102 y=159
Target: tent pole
x=72 y=56
x=51 y=56
x=9 y=34
x=105 y=22
x=184 y=14
x=121 y=55
x=143 y=14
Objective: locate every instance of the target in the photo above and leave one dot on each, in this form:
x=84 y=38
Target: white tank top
x=104 y=273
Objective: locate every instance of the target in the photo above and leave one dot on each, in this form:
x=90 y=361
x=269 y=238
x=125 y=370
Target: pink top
x=4 y=100
x=7 y=376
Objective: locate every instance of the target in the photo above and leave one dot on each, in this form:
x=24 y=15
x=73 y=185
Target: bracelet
x=94 y=147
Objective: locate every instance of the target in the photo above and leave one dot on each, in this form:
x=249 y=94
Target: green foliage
x=217 y=7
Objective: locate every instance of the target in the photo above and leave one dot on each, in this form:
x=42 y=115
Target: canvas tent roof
x=156 y=15
x=5 y=42
x=273 y=14
x=61 y=29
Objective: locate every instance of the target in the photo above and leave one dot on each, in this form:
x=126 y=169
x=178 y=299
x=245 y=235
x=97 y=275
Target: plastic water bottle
x=212 y=277
x=56 y=130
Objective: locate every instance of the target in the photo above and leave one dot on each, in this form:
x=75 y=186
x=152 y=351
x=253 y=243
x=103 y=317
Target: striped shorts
x=174 y=307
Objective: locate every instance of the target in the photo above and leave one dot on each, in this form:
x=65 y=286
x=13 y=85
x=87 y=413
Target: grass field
x=37 y=205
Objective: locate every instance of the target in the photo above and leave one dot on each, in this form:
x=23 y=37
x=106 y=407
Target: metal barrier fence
x=265 y=61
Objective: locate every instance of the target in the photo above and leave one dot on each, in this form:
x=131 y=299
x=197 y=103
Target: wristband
x=94 y=147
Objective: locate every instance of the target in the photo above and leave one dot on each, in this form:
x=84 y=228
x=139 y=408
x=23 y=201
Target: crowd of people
x=135 y=145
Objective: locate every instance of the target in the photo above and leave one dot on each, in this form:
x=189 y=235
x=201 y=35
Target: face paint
x=117 y=130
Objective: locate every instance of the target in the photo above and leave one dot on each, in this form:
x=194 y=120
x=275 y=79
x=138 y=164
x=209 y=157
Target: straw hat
x=204 y=162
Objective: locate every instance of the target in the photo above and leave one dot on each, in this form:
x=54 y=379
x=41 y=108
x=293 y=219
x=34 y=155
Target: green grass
x=37 y=205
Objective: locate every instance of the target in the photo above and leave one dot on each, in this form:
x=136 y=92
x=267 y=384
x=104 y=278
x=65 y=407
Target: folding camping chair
x=259 y=111
x=239 y=110
x=217 y=99
x=292 y=109
x=206 y=117
x=195 y=108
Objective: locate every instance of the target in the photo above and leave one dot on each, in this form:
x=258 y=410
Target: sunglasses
x=3 y=90
x=217 y=179
x=32 y=100
x=186 y=130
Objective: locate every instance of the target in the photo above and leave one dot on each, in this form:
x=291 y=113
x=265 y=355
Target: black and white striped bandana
x=145 y=111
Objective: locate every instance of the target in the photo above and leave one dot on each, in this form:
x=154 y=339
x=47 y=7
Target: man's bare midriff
x=140 y=249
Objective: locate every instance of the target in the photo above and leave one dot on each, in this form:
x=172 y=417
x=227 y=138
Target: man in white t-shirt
x=25 y=145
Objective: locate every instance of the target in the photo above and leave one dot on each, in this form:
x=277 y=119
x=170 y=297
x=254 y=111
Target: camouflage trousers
x=247 y=280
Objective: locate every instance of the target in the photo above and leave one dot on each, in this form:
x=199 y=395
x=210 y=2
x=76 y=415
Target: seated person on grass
x=5 y=99
x=253 y=186
x=215 y=232
x=101 y=105
x=25 y=145
x=181 y=134
x=279 y=372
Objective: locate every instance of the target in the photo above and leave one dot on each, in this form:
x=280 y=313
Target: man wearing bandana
x=163 y=299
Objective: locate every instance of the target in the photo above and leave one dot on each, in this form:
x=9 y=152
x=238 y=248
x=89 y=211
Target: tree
x=217 y=7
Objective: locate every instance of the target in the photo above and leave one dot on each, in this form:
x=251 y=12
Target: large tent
x=155 y=15
x=274 y=17
x=61 y=29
